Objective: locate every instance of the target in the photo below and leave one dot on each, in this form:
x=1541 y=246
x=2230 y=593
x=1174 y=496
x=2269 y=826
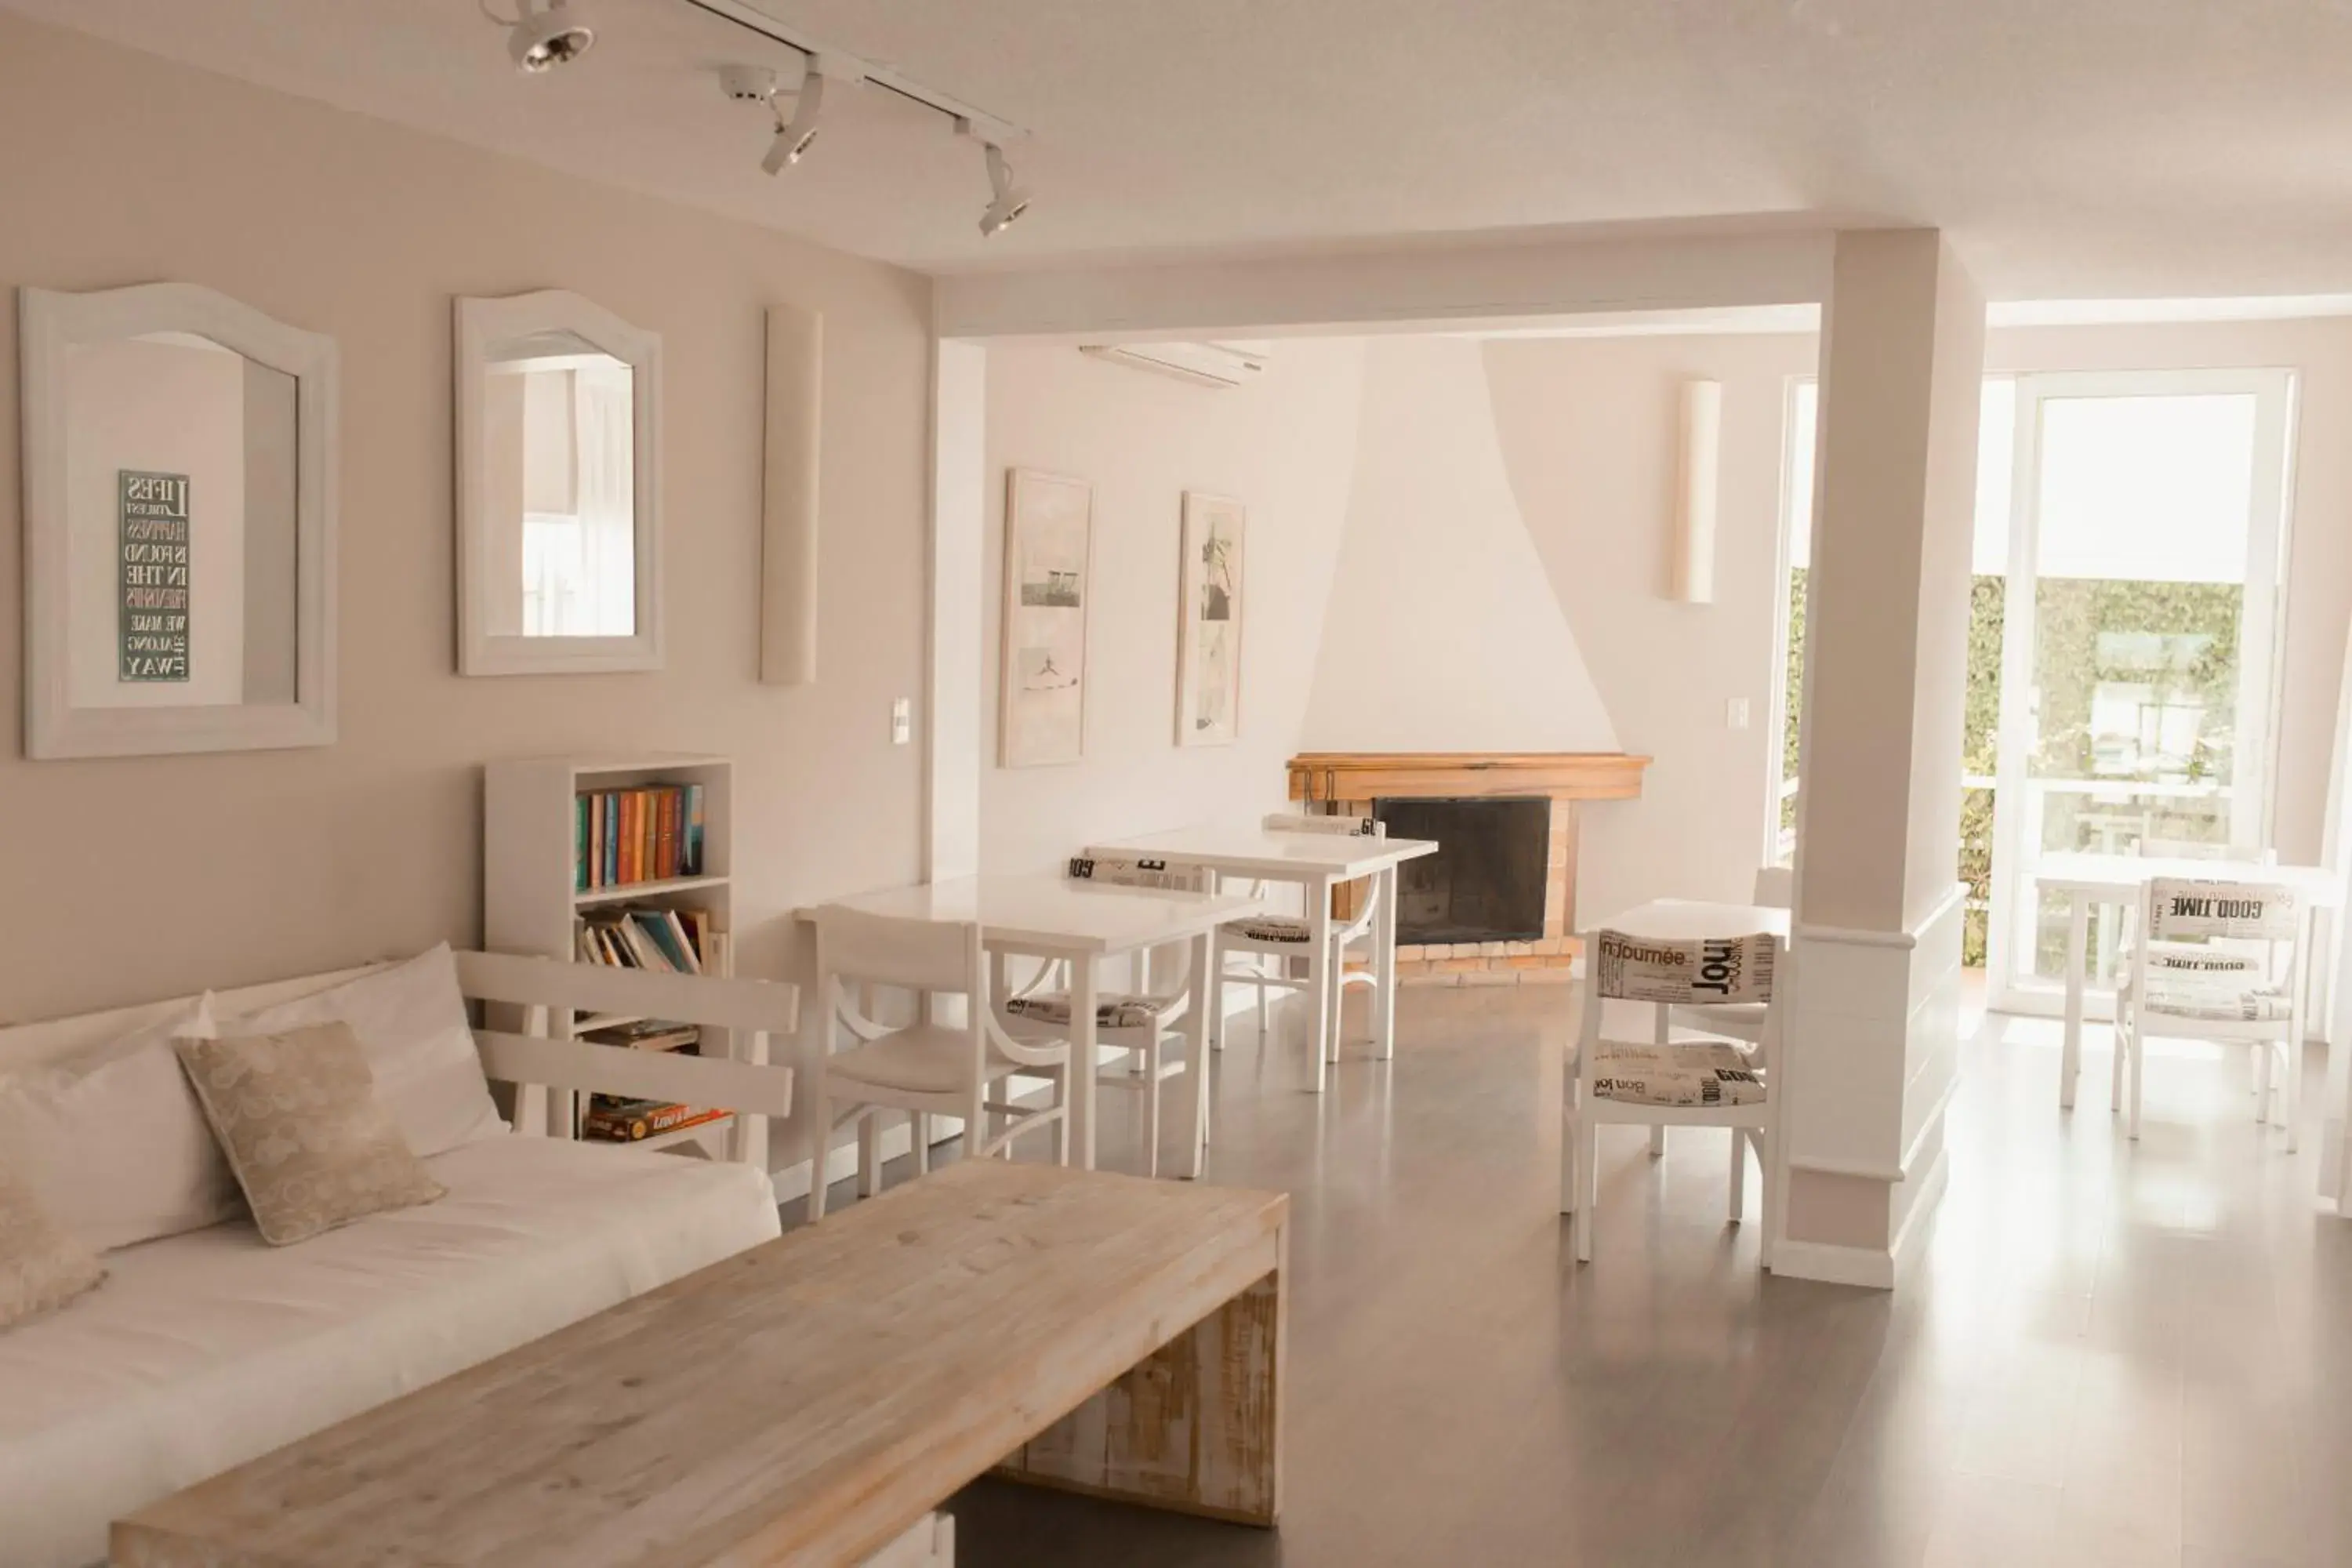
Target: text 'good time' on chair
x=2217 y=961
x=1138 y=1024
x=1286 y=938
x=1714 y=1082
x=924 y=1068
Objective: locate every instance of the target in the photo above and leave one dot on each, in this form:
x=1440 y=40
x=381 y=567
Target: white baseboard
x=1818 y=1260
x=1874 y=1268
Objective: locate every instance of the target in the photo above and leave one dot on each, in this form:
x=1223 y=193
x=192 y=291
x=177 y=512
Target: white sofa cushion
x=412 y=1018
x=209 y=1349
x=114 y=1142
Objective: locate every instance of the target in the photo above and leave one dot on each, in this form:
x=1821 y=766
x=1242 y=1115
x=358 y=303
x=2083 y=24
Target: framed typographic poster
x=1048 y=564
x=1209 y=637
x=152 y=568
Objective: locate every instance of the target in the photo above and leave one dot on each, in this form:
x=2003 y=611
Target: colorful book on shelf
x=653 y=834
x=632 y=1120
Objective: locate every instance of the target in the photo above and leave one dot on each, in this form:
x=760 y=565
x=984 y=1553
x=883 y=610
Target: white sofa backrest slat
x=768 y=1004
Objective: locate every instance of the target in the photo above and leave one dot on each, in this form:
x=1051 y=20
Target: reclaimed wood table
x=809 y=1400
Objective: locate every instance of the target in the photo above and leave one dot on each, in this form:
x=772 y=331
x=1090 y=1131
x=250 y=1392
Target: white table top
x=1689 y=919
x=2118 y=878
x=1033 y=912
x=1255 y=851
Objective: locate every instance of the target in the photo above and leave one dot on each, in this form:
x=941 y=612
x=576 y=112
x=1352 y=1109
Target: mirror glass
x=559 y=453
x=182 y=526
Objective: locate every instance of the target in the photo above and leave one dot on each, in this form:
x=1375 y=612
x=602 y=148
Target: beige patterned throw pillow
x=41 y=1264
x=298 y=1117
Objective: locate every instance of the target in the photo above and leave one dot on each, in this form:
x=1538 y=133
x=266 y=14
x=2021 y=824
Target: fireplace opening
x=1486 y=884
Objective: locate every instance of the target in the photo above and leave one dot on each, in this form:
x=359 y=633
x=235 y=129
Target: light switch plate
x=902 y=721
x=1735 y=713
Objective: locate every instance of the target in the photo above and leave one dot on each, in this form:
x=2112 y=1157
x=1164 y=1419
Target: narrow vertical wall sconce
x=1696 y=481
x=788 y=533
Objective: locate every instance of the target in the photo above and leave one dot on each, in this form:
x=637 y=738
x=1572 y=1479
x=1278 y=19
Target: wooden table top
x=802 y=1401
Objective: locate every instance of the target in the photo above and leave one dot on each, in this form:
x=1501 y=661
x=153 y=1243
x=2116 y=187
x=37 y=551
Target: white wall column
x=1874 y=1028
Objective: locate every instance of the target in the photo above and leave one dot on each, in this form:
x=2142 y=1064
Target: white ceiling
x=2081 y=150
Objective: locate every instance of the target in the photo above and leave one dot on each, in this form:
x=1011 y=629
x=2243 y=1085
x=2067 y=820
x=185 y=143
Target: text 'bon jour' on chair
x=1138 y=1023
x=1711 y=1082
x=1283 y=937
x=924 y=1068
x=2217 y=961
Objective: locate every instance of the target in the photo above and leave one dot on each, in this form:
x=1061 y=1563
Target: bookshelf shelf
x=532 y=899
x=631 y=892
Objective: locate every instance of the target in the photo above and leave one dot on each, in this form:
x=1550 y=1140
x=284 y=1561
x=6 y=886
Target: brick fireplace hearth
x=1405 y=785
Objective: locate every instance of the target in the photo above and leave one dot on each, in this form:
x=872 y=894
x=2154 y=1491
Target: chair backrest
x=1351 y=826
x=1700 y=971
x=2182 y=909
x=1776 y=887
x=885 y=950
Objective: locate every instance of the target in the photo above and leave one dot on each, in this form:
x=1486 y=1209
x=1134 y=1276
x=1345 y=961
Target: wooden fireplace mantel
x=1563 y=776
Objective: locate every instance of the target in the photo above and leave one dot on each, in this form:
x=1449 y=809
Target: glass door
x=2139 y=640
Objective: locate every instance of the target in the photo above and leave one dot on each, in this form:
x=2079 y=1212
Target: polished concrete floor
x=2107 y=1355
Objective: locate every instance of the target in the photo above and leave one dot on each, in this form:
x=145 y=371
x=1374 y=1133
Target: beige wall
x=1284 y=445
x=1587 y=431
x=1588 y=434
x=127 y=879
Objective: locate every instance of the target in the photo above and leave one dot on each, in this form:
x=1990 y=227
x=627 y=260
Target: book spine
x=578 y=843
x=685 y=942
x=694 y=830
x=595 y=840
x=665 y=836
x=635 y=840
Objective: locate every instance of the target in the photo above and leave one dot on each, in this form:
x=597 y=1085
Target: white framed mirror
x=180 y=487
x=558 y=487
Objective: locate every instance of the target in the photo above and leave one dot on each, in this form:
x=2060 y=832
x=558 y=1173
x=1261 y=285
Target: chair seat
x=923 y=1059
x=1691 y=1075
x=2193 y=957
x=2216 y=1003
x=1117 y=1012
x=1270 y=928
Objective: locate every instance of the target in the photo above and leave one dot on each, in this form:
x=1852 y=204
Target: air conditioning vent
x=1203 y=364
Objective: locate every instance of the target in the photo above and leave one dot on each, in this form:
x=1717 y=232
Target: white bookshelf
x=531 y=901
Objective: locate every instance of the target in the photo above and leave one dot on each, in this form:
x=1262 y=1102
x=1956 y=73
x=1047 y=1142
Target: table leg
x=2078 y=943
x=1321 y=1024
x=1195 y=1427
x=1084 y=984
x=1205 y=960
x=1385 y=963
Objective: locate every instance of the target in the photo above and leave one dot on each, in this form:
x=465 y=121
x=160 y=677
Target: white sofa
x=208 y=1348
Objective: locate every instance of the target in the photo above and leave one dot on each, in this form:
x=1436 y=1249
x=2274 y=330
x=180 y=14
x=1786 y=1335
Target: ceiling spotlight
x=556 y=34
x=795 y=136
x=1005 y=203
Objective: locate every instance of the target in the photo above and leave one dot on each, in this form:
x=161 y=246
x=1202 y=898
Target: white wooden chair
x=1713 y=1082
x=2152 y=848
x=923 y=1068
x=1281 y=939
x=1138 y=1023
x=2219 y=960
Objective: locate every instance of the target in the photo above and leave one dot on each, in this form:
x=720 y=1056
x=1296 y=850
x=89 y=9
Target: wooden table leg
x=1195 y=1427
x=2078 y=947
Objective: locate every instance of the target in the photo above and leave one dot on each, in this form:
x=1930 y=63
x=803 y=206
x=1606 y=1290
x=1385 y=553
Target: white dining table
x=2089 y=878
x=1055 y=918
x=1319 y=862
x=1693 y=920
